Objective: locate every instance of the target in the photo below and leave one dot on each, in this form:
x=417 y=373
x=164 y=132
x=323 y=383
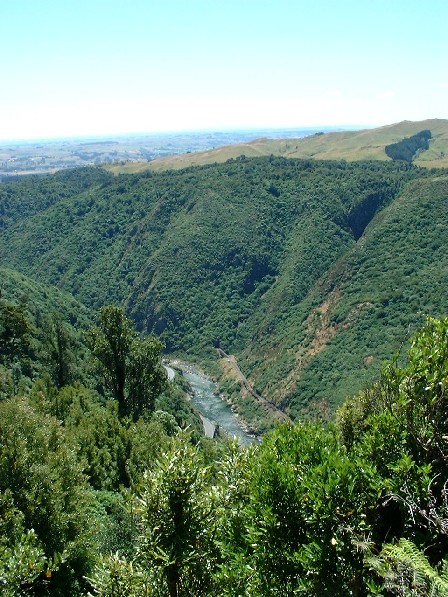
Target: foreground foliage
x=94 y=500
x=359 y=509
x=68 y=452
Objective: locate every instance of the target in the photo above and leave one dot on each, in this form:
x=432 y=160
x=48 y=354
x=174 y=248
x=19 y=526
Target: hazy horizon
x=186 y=132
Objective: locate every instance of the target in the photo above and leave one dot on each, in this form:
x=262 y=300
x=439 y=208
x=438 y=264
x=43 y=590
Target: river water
x=213 y=408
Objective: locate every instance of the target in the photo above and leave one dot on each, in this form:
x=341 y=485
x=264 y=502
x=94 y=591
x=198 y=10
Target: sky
x=105 y=67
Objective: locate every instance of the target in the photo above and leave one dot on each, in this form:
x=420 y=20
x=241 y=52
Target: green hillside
x=42 y=299
x=41 y=334
x=366 y=144
x=362 y=309
x=310 y=272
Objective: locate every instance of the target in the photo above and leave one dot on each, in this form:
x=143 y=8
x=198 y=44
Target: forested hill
x=309 y=272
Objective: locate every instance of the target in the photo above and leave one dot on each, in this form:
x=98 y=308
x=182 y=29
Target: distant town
x=47 y=156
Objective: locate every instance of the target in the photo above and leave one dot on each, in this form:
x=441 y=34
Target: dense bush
x=407 y=148
x=340 y=511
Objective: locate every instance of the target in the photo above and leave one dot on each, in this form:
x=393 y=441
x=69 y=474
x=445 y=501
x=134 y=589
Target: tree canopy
x=407 y=148
x=130 y=365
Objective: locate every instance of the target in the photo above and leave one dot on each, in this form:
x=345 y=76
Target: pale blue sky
x=90 y=67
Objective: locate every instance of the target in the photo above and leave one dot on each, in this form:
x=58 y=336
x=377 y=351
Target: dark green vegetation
x=92 y=503
x=70 y=446
x=39 y=332
x=129 y=364
x=364 y=306
x=309 y=272
x=408 y=148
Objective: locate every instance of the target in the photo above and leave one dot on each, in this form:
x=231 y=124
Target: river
x=213 y=409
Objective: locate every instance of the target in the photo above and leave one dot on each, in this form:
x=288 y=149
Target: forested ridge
x=326 y=280
x=284 y=263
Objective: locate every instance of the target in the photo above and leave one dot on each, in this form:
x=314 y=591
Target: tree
x=306 y=509
x=177 y=509
x=146 y=377
x=14 y=331
x=22 y=558
x=110 y=341
x=407 y=148
x=59 y=350
x=130 y=365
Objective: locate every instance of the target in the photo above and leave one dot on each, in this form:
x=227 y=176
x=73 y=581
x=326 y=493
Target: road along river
x=213 y=409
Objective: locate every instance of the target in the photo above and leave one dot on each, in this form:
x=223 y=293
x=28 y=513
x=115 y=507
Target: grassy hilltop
x=366 y=144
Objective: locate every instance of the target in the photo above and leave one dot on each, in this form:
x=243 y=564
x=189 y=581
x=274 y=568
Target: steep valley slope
x=311 y=273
